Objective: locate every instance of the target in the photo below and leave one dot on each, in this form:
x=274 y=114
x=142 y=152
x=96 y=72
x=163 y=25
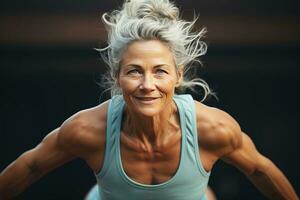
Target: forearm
x=33 y=164
x=272 y=183
x=17 y=177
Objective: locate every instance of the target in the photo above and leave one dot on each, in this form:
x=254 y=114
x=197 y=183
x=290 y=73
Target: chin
x=148 y=112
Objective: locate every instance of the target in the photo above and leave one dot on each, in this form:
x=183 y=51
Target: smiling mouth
x=147 y=100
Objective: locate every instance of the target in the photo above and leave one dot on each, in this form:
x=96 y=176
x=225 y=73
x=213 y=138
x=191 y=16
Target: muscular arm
x=260 y=170
x=32 y=165
x=82 y=136
x=222 y=138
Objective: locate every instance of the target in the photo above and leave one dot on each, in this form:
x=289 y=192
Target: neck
x=151 y=130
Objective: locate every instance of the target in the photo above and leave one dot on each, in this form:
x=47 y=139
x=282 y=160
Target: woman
x=147 y=142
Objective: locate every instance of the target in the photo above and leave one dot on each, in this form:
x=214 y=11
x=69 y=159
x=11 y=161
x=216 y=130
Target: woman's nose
x=147 y=83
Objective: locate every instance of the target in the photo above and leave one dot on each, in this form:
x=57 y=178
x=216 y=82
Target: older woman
x=147 y=142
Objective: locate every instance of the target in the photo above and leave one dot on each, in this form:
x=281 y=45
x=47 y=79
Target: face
x=148 y=77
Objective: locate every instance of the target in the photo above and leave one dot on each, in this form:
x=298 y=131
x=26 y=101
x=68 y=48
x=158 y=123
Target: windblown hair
x=148 y=20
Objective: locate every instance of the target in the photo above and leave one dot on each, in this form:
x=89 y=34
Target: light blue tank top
x=188 y=183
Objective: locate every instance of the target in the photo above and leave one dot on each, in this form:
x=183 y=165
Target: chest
x=152 y=165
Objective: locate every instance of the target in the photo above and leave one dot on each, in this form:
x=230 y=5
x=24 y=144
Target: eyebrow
x=138 y=66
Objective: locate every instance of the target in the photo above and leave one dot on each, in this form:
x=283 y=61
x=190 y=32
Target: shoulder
x=83 y=131
x=218 y=131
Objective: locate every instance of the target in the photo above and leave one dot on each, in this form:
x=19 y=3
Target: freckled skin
x=148 y=78
x=150 y=137
x=148 y=70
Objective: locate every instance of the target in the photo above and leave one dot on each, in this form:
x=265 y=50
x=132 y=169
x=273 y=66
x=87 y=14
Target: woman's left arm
x=222 y=138
x=260 y=170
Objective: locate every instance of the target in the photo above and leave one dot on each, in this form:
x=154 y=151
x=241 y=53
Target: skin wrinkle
x=140 y=21
x=148 y=78
x=153 y=84
x=127 y=125
x=158 y=54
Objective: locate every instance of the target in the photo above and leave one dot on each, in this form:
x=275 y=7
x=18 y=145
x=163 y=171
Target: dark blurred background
x=49 y=71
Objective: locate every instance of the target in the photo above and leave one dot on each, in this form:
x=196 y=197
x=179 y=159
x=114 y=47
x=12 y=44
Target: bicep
x=246 y=157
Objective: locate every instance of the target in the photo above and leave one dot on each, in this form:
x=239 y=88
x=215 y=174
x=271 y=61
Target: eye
x=161 y=72
x=134 y=72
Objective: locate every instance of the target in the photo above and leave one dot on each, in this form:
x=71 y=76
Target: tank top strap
x=114 y=117
x=187 y=104
x=187 y=183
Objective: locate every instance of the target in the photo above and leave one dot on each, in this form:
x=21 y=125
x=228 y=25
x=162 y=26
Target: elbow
x=26 y=172
x=261 y=167
x=31 y=166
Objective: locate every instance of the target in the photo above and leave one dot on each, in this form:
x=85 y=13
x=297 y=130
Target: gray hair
x=147 y=20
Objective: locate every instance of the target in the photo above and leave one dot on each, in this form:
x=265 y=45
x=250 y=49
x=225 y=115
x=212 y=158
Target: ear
x=179 y=76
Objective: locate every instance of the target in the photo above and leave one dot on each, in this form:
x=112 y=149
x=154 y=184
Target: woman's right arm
x=80 y=136
x=32 y=165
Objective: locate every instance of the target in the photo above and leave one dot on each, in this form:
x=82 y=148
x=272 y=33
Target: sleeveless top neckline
x=137 y=184
x=190 y=179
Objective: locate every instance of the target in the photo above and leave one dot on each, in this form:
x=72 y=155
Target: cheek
x=128 y=85
x=167 y=85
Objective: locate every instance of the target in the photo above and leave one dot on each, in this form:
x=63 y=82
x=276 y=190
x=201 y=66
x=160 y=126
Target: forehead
x=150 y=51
